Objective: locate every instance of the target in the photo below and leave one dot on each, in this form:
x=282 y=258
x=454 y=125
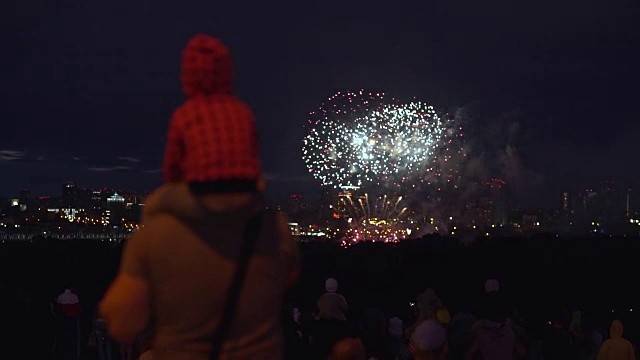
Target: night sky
x=87 y=90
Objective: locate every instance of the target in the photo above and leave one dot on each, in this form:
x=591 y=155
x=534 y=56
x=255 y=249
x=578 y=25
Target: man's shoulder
x=159 y=225
x=329 y=295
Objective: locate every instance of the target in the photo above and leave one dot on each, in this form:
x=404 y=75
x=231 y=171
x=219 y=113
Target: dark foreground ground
x=544 y=277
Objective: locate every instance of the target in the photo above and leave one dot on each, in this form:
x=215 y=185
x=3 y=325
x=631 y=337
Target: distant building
x=69 y=194
x=116 y=199
x=25 y=196
x=130 y=198
x=98 y=199
x=295 y=229
x=106 y=218
x=69 y=214
x=296 y=204
x=16 y=206
x=4 y=204
x=491 y=205
x=530 y=222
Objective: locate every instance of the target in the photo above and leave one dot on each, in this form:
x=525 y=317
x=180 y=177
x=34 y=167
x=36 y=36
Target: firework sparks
x=383 y=220
x=362 y=139
x=381 y=145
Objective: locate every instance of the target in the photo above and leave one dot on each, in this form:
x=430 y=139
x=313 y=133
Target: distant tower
x=587 y=197
x=69 y=194
x=498 y=201
x=295 y=204
x=25 y=196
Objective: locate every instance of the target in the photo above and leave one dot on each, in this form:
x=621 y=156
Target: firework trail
x=383 y=221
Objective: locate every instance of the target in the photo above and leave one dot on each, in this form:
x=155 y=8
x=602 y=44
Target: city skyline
x=349 y=214
x=563 y=200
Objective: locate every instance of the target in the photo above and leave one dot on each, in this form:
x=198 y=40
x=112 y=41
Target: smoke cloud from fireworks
x=491 y=153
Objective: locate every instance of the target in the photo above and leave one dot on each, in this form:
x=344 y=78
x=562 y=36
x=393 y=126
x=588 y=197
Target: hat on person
x=491 y=285
x=207 y=67
x=331 y=285
x=212 y=135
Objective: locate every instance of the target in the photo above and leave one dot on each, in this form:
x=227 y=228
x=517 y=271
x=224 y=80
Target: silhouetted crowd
x=359 y=315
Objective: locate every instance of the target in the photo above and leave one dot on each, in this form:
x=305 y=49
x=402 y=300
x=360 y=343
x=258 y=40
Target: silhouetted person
x=395 y=335
x=184 y=258
x=68 y=309
x=494 y=336
x=374 y=331
x=430 y=307
x=293 y=337
x=103 y=342
x=331 y=305
x=331 y=321
x=428 y=342
x=616 y=347
x=461 y=334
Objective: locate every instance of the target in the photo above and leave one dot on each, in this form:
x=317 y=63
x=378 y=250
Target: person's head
x=576 y=317
x=430 y=298
x=616 y=329
x=331 y=285
x=215 y=146
x=396 y=327
x=429 y=341
x=295 y=312
x=494 y=306
x=492 y=286
x=207 y=67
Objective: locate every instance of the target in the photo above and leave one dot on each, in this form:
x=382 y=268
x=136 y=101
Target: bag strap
x=249 y=238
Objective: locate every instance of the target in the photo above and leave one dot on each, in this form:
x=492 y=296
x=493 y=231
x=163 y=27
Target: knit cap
x=212 y=136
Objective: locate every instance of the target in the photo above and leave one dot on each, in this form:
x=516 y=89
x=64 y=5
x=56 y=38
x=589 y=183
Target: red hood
x=206 y=67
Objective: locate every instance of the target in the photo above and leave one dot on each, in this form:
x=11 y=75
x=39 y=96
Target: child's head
x=207 y=67
x=213 y=140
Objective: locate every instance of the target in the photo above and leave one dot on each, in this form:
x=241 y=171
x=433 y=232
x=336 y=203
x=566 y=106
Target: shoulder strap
x=249 y=238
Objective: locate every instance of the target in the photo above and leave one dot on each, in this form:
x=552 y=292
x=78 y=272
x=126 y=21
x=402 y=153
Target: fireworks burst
x=384 y=219
x=379 y=144
x=363 y=139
